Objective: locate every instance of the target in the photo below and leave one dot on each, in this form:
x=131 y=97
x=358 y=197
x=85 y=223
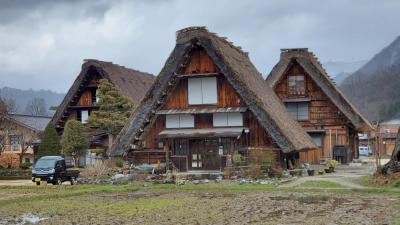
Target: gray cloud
x=43 y=43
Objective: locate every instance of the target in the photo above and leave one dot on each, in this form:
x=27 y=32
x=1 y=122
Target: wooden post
x=166 y=150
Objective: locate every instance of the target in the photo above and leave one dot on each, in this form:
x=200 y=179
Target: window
x=83 y=116
x=227 y=119
x=95 y=92
x=296 y=85
x=14 y=142
x=202 y=90
x=227 y=145
x=299 y=110
x=317 y=138
x=179 y=121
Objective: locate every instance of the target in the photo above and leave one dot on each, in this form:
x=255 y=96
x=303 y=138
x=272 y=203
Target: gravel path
x=342 y=176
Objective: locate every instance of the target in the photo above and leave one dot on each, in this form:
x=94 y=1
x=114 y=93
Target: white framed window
x=299 y=110
x=202 y=90
x=179 y=121
x=84 y=116
x=227 y=119
x=296 y=85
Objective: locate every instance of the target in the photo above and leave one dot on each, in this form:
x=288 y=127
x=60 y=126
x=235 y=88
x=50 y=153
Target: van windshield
x=45 y=163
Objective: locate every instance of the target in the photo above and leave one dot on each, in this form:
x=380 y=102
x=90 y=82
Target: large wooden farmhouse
x=208 y=103
x=81 y=98
x=320 y=107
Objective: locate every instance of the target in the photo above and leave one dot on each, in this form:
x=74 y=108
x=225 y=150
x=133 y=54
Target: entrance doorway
x=204 y=154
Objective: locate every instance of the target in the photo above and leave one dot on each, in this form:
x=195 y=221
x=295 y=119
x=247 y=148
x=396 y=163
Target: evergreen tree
x=73 y=142
x=50 y=144
x=114 y=111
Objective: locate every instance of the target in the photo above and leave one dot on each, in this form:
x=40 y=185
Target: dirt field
x=339 y=198
x=196 y=204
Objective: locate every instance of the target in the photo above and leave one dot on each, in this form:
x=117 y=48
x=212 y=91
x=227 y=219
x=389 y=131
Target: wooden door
x=195 y=155
x=204 y=154
x=211 y=157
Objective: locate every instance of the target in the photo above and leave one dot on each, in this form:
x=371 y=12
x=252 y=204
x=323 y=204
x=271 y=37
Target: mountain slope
x=340 y=70
x=373 y=89
x=24 y=97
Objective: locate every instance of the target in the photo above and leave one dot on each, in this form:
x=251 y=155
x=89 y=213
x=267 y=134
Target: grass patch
x=397 y=185
x=23 y=194
x=321 y=184
x=363 y=181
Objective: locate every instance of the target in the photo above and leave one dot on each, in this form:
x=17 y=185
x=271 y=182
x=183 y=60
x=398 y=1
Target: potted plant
x=331 y=164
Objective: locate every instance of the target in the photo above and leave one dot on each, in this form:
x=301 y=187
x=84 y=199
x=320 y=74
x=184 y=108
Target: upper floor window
x=202 y=90
x=227 y=119
x=299 y=110
x=179 y=121
x=95 y=95
x=14 y=142
x=296 y=85
x=83 y=116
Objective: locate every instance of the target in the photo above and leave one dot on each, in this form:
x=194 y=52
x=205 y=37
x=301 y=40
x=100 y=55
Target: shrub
x=119 y=163
x=238 y=159
x=25 y=166
x=254 y=171
x=98 y=170
x=397 y=184
x=331 y=163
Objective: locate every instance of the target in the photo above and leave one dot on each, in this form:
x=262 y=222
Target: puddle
x=29 y=218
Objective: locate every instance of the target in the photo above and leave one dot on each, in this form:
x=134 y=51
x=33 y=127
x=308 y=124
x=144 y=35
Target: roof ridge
x=182 y=33
x=115 y=64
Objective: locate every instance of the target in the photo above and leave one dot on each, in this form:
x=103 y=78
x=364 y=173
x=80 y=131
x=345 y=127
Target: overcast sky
x=43 y=43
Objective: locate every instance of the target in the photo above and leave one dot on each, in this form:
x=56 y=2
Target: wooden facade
x=208 y=104
x=324 y=118
x=81 y=98
x=182 y=150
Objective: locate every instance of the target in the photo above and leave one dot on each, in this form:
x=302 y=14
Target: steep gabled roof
x=132 y=83
x=314 y=69
x=240 y=73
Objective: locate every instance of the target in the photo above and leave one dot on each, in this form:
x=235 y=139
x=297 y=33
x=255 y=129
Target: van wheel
x=73 y=180
x=37 y=183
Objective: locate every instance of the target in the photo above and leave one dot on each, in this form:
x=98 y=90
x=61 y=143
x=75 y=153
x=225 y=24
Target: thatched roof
x=240 y=73
x=314 y=69
x=132 y=83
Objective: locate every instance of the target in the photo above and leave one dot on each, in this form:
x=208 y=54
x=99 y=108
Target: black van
x=53 y=169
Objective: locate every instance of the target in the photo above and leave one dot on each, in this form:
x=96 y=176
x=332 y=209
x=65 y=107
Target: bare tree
x=26 y=143
x=5 y=127
x=36 y=107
